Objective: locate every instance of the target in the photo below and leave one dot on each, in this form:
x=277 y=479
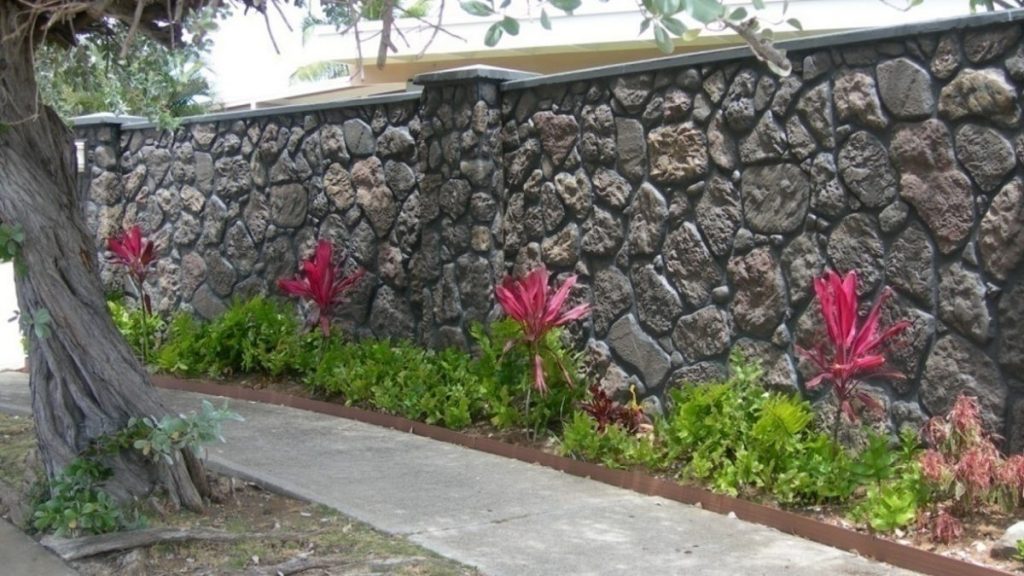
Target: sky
x=244 y=65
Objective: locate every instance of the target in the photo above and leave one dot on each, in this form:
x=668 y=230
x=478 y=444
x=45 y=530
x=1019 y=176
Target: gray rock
x=855 y=244
x=483 y=207
x=930 y=182
x=954 y=367
x=395 y=143
x=816 y=64
x=339 y=188
x=893 y=217
x=721 y=145
x=240 y=248
x=562 y=249
x=192 y=199
x=551 y=208
x=192 y=273
x=866 y=171
x=1011 y=322
x=986 y=154
x=760 y=292
x=479 y=172
x=719 y=215
x=206 y=303
x=988 y=43
x=775 y=198
x=714 y=86
x=214 y=221
x=221 y=276
x=332 y=143
x=646 y=224
x=602 y=233
x=983 y=94
x=906 y=89
x=632 y=148
x=677 y=152
x=639 y=351
x=279 y=257
x=399 y=177
x=657 y=303
x=106 y=189
x=558 y=133
x=766 y=142
x=476 y=285
x=907 y=351
x=186 y=230
x=1006 y=546
x=690 y=265
x=788 y=88
x=359 y=138
x=391 y=316
x=232 y=177
x=676 y=104
x=962 y=302
x=632 y=91
x=611 y=188
x=909 y=264
x=803 y=261
x=1001 y=236
x=946 y=59
x=801 y=144
x=780 y=372
x=698 y=373
x=856 y=100
x=702 y=334
x=612 y=297
x=815 y=109
x=454 y=197
x=575 y=192
x=288 y=205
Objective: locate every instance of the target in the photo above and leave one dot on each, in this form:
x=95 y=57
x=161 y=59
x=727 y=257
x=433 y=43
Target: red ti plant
x=135 y=252
x=530 y=302
x=323 y=283
x=854 y=349
x=607 y=412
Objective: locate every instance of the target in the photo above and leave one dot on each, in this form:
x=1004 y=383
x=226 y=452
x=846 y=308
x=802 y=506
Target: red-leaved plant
x=538 y=309
x=323 y=283
x=607 y=412
x=854 y=350
x=963 y=468
x=136 y=253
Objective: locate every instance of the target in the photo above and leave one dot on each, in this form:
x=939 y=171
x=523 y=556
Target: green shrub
x=135 y=326
x=258 y=336
x=613 y=447
x=74 y=504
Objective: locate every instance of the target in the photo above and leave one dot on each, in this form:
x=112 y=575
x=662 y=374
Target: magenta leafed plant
x=133 y=251
x=537 y=308
x=854 y=350
x=321 y=282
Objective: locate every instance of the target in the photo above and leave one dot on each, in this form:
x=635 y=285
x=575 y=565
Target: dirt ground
x=267 y=533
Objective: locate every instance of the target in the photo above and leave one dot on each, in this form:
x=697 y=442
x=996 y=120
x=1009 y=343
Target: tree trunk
x=84 y=378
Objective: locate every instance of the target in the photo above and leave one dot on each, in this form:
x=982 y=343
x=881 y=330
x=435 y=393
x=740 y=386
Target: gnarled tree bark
x=85 y=380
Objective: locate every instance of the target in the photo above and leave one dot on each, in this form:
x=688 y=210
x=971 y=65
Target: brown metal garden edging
x=864 y=544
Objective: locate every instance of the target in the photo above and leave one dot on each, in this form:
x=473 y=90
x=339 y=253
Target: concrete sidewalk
x=505 y=517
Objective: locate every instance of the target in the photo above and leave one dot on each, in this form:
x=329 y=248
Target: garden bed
x=819 y=527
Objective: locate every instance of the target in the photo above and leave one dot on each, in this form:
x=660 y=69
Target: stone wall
x=695 y=196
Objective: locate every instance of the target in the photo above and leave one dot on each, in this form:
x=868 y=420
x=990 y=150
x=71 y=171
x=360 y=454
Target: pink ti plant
x=537 y=308
x=323 y=283
x=135 y=252
x=854 y=347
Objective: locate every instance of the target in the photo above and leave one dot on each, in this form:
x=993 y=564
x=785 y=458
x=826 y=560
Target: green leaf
x=795 y=23
x=493 y=35
x=545 y=22
x=510 y=25
x=645 y=25
x=706 y=11
x=674 y=26
x=738 y=14
x=758 y=4
x=476 y=8
x=566 y=5
x=691 y=34
x=663 y=40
